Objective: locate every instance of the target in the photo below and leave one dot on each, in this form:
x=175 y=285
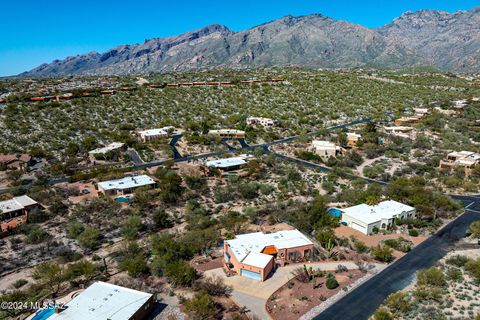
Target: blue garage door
x=251 y=274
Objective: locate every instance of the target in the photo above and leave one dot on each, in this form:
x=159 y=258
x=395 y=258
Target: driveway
x=254 y=294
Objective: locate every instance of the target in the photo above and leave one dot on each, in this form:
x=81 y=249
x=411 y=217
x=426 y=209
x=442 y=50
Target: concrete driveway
x=254 y=294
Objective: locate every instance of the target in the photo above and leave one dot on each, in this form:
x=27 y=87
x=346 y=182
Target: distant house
x=103 y=300
x=353 y=139
x=125 y=185
x=14 y=212
x=365 y=218
x=465 y=159
x=460 y=104
x=325 y=149
x=401 y=131
x=16 y=161
x=447 y=112
x=266 y=122
x=154 y=134
x=255 y=255
x=108 y=152
x=406 y=120
x=227 y=133
x=227 y=164
x=421 y=112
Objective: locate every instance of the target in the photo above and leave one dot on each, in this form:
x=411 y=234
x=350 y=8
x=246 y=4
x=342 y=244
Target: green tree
x=49 y=274
x=131 y=227
x=89 y=238
x=162 y=219
x=201 y=306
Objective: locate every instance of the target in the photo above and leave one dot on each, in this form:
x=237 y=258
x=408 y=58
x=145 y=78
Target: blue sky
x=37 y=31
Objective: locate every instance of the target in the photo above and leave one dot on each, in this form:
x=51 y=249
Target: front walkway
x=254 y=294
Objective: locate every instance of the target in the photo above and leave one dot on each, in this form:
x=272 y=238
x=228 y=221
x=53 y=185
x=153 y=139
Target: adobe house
x=16 y=161
x=227 y=133
x=256 y=255
x=14 y=212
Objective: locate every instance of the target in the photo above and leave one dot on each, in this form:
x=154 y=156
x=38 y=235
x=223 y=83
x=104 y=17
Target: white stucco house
x=365 y=218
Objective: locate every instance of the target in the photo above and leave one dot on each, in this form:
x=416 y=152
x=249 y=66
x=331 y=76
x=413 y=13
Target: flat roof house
x=153 y=134
x=401 y=131
x=227 y=164
x=14 y=212
x=266 y=122
x=325 y=149
x=465 y=159
x=353 y=139
x=365 y=218
x=124 y=185
x=105 y=301
x=255 y=255
x=227 y=133
x=106 y=152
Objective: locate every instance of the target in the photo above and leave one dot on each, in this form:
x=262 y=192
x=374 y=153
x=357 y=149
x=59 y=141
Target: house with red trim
x=256 y=255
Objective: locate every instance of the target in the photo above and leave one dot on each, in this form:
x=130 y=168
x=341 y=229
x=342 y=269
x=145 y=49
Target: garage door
x=251 y=274
x=358 y=227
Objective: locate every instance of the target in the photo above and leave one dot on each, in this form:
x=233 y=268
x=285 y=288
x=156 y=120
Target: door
x=251 y=274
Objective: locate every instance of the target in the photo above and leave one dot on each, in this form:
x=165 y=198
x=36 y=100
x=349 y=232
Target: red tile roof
x=7 y=158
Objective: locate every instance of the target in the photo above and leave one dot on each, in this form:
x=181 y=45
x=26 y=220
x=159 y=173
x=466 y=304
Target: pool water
x=44 y=314
x=334 y=212
x=123 y=200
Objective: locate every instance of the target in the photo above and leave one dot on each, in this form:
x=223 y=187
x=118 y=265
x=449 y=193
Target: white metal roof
x=245 y=244
x=127 y=183
x=156 y=132
x=111 y=147
x=102 y=301
x=259 y=260
x=226 y=163
x=323 y=144
x=16 y=203
x=370 y=214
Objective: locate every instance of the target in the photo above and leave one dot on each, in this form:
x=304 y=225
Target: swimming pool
x=334 y=212
x=123 y=200
x=44 y=314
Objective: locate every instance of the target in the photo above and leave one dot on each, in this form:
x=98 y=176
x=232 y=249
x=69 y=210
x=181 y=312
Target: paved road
x=319 y=167
x=139 y=164
x=133 y=154
x=362 y=302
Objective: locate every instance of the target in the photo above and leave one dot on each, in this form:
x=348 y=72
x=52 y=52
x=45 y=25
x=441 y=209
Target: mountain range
x=446 y=41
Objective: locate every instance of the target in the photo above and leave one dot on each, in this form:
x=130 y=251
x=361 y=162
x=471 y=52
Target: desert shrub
x=89 y=238
x=475 y=229
x=382 y=314
x=360 y=247
x=331 y=282
x=34 y=234
x=214 y=286
x=382 y=253
x=398 y=302
x=457 y=260
x=20 y=283
x=454 y=274
x=201 y=306
x=413 y=232
x=431 y=277
x=473 y=268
